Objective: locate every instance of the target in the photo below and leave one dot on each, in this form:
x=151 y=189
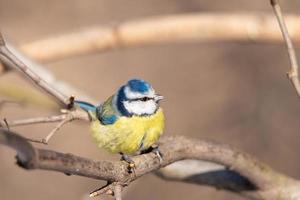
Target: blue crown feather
x=138 y=85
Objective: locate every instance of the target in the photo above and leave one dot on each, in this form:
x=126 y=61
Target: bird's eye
x=144 y=99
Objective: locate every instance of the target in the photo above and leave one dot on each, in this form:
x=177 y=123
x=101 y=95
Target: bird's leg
x=157 y=152
x=131 y=164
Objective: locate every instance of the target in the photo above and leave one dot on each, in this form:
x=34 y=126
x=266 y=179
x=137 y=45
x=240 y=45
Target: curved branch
x=202 y=27
x=9 y=59
x=59 y=90
x=267 y=184
x=49 y=77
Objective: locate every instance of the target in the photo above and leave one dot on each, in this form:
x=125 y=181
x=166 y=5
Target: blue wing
x=108 y=119
x=105 y=113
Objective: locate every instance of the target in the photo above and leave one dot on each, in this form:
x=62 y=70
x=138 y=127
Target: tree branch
x=76 y=114
x=163 y=29
x=12 y=59
x=264 y=183
x=50 y=78
x=9 y=59
x=293 y=73
x=37 y=120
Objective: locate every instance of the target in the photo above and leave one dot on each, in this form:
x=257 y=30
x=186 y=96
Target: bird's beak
x=158 y=97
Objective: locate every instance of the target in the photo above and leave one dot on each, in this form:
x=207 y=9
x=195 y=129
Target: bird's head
x=137 y=97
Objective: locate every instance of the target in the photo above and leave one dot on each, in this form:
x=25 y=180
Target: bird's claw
x=154 y=149
x=131 y=164
x=158 y=153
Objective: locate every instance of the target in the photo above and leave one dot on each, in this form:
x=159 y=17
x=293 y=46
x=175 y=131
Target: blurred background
x=234 y=93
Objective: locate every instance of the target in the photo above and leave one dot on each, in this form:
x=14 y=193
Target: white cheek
x=140 y=107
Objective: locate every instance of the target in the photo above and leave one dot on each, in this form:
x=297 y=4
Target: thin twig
x=6 y=123
x=37 y=120
x=293 y=73
x=106 y=189
x=69 y=117
x=34 y=140
x=114 y=189
x=76 y=114
x=57 y=127
x=62 y=119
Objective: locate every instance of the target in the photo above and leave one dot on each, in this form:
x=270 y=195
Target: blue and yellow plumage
x=129 y=121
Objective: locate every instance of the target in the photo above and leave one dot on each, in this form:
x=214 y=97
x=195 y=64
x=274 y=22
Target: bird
x=129 y=121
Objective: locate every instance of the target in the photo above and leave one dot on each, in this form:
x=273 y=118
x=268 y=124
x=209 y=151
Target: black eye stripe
x=141 y=99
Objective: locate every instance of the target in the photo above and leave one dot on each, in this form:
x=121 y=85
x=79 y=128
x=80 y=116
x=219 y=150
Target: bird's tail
x=86 y=106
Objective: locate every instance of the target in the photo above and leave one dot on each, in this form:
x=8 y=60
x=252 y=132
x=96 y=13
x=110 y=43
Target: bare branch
x=293 y=73
x=49 y=77
x=106 y=189
x=268 y=183
x=49 y=136
x=40 y=76
x=114 y=189
x=202 y=27
x=63 y=119
x=9 y=59
x=37 y=120
x=68 y=118
x=6 y=123
x=34 y=140
x=75 y=114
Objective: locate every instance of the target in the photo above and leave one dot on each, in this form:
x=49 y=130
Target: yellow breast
x=129 y=134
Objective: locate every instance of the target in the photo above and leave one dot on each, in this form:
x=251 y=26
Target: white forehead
x=135 y=95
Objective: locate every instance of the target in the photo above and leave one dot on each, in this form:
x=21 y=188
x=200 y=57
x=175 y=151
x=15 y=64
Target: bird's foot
x=131 y=164
x=154 y=149
x=158 y=153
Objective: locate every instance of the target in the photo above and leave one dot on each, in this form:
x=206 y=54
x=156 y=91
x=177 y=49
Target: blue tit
x=129 y=121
